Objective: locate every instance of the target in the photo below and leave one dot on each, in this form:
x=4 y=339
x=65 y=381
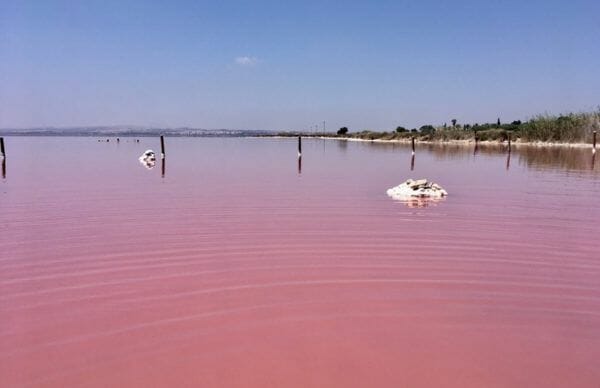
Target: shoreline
x=464 y=142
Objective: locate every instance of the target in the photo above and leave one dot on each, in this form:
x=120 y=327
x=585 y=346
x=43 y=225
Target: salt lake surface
x=242 y=267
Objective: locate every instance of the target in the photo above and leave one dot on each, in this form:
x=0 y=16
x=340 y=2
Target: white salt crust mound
x=148 y=159
x=420 y=188
x=148 y=154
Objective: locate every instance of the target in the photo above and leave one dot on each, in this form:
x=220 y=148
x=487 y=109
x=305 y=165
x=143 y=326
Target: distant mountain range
x=131 y=131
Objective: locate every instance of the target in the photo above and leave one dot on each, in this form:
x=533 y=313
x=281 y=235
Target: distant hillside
x=125 y=131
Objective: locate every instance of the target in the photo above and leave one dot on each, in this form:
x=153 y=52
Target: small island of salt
x=420 y=188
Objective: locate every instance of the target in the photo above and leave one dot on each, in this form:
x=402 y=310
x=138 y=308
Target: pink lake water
x=242 y=268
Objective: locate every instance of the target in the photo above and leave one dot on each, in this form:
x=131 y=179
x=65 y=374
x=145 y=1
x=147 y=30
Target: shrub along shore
x=563 y=129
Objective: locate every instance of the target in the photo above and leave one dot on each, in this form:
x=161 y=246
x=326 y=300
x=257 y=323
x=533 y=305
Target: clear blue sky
x=282 y=65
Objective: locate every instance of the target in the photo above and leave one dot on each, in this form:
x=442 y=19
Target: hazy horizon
x=276 y=66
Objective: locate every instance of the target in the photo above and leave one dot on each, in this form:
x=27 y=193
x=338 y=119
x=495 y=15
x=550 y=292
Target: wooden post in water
x=593 y=143
x=412 y=140
x=162 y=147
x=299 y=146
x=508 y=158
x=3 y=157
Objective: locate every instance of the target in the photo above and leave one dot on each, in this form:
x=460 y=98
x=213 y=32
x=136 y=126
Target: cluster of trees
x=423 y=129
x=402 y=130
x=428 y=129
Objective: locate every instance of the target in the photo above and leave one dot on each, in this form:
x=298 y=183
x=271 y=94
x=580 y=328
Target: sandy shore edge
x=470 y=142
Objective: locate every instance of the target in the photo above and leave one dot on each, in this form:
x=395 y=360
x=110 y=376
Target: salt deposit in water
x=420 y=188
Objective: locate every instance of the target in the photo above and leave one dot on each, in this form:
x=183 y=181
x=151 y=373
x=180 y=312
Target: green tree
x=342 y=131
x=454 y=123
x=401 y=129
x=427 y=129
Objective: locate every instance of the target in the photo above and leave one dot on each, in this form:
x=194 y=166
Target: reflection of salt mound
x=420 y=188
x=148 y=159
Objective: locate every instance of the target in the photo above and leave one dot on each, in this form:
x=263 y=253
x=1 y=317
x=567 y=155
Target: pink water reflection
x=241 y=267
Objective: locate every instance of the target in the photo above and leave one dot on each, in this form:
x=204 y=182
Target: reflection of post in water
x=162 y=167
x=412 y=162
x=299 y=164
x=593 y=159
x=3 y=168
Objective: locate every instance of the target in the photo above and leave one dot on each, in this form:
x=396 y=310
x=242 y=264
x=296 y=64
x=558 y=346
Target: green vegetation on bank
x=570 y=128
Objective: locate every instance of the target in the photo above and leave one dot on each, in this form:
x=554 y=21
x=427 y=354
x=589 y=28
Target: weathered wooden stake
x=162 y=147
x=509 y=142
x=2 y=152
x=594 y=142
x=299 y=146
x=412 y=140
